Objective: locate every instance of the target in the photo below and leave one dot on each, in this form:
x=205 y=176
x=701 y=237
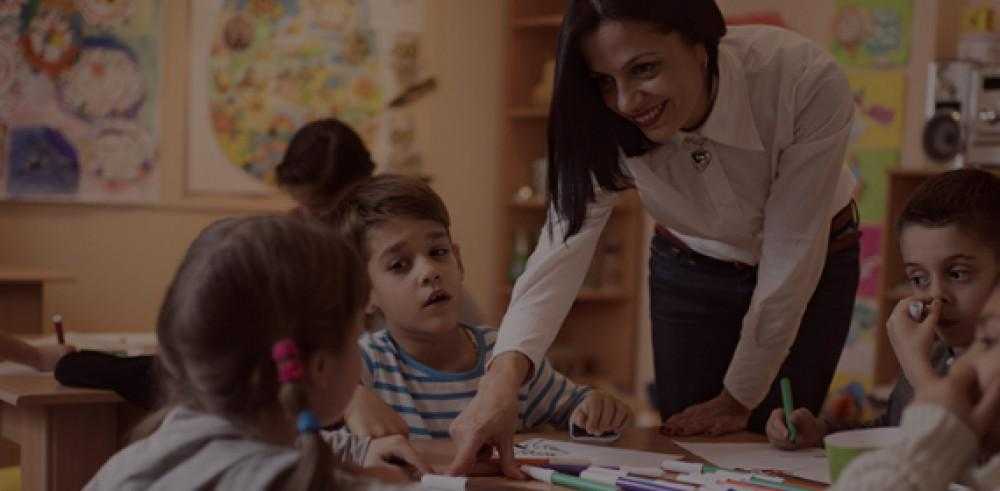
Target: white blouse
x=777 y=135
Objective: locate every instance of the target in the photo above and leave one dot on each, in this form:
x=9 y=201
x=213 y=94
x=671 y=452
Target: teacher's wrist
x=731 y=401
x=507 y=371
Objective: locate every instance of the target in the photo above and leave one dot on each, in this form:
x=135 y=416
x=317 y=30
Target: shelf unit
x=596 y=343
x=892 y=283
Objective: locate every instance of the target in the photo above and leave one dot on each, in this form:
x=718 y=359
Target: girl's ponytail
x=313 y=473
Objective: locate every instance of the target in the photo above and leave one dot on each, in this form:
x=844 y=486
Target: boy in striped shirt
x=425 y=364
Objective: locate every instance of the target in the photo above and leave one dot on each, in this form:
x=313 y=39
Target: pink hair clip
x=286 y=356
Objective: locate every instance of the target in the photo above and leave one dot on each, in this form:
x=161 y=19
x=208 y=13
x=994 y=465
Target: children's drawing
x=872 y=33
x=263 y=68
x=78 y=85
x=879 y=96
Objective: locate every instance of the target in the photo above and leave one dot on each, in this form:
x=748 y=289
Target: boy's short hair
x=373 y=201
x=968 y=198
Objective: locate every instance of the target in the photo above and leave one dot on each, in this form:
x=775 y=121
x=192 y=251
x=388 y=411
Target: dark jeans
x=697 y=306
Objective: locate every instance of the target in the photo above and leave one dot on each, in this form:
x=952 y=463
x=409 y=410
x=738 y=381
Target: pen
x=631 y=483
x=553 y=477
x=57 y=322
x=786 y=401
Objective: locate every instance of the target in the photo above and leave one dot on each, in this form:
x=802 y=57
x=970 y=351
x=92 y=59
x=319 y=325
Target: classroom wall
x=123 y=256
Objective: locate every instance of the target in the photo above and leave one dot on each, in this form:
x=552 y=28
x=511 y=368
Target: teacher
x=735 y=142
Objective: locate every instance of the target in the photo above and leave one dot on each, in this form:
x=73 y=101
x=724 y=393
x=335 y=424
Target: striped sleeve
x=551 y=398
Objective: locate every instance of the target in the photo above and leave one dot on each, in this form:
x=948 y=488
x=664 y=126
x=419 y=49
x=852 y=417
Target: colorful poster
x=263 y=68
x=871 y=261
x=871 y=169
x=872 y=33
x=853 y=380
x=879 y=98
x=78 y=100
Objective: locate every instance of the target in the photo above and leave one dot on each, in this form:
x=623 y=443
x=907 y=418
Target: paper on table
x=808 y=463
x=129 y=343
x=598 y=455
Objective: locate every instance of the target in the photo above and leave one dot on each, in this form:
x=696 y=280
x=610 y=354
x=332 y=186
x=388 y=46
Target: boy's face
x=416 y=274
x=954 y=267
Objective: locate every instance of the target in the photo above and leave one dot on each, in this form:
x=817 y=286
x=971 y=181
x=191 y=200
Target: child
x=257 y=332
x=42 y=357
x=425 y=363
x=950 y=244
x=953 y=421
x=323 y=158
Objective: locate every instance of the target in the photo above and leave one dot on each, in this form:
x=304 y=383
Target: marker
x=444 y=483
x=576 y=469
x=57 y=322
x=547 y=461
x=682 y=467
x=553 y=477
x=786 y=401
x=626 y=482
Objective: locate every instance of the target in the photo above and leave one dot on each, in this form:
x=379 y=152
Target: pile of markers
x=685 y=476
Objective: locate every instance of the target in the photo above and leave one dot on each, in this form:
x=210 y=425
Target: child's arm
x=42 y=357
x=555 y=399
x=368 y=415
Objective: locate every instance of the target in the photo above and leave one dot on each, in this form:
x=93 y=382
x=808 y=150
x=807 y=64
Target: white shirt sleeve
x=544 y=293
x=796 y=230
x=937 y=449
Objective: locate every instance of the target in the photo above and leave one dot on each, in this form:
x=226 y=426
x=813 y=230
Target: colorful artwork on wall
x=872 y=33
x=879 y=99
x=263 y=68
x=871 y=169
x=78 y=99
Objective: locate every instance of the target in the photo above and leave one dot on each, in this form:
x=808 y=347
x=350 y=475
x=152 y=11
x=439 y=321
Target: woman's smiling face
x=655 y=80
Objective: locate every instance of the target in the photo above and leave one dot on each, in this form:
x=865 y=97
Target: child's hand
x=367 y=415
x=395 y=451
x=600 y=413
x=810 y=430
x=970 y=391
x=912 y=340
x=47 y=355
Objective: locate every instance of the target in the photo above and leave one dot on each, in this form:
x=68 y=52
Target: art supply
x=444 y=483
x=567 y=462
x=553 y=477
x=57 y=322
x=917 y=311
x=682 y=467
x=786 y=402
x=630 y=483
x=598 y=455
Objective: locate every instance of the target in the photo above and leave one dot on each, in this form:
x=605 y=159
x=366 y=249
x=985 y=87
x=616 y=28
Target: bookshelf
x=596 y=343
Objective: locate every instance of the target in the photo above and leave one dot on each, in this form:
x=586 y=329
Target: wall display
x=263 y=68
x=872 y=33
x=79 y=100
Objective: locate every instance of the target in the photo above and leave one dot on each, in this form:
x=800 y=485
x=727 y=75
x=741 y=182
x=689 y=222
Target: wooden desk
x=21 y=295
x=65 y=433
x=438 y=453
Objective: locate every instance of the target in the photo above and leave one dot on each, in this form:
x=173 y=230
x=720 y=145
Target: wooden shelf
x=538 y=21
x=528 y=112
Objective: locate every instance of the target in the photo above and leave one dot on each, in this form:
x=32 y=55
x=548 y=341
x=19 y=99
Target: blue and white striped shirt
x=429 y=400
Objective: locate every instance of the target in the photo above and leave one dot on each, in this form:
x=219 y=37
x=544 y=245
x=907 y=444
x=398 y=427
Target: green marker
x=560 y=479
x=786 y=401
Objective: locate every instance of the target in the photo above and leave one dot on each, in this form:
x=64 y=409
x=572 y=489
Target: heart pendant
x=700 y=159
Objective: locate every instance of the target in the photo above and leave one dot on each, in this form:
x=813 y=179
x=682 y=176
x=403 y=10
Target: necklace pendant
x=700 y=159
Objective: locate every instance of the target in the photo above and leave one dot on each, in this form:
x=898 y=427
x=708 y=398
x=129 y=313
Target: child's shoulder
x=378 y=344
x=487 y=335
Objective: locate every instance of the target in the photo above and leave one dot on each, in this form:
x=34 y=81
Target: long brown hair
x=244 y=284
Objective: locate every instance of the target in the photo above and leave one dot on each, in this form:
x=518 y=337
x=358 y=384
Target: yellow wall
x=123 y=256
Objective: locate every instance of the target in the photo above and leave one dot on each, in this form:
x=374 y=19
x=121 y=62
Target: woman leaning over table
x=735 y=142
